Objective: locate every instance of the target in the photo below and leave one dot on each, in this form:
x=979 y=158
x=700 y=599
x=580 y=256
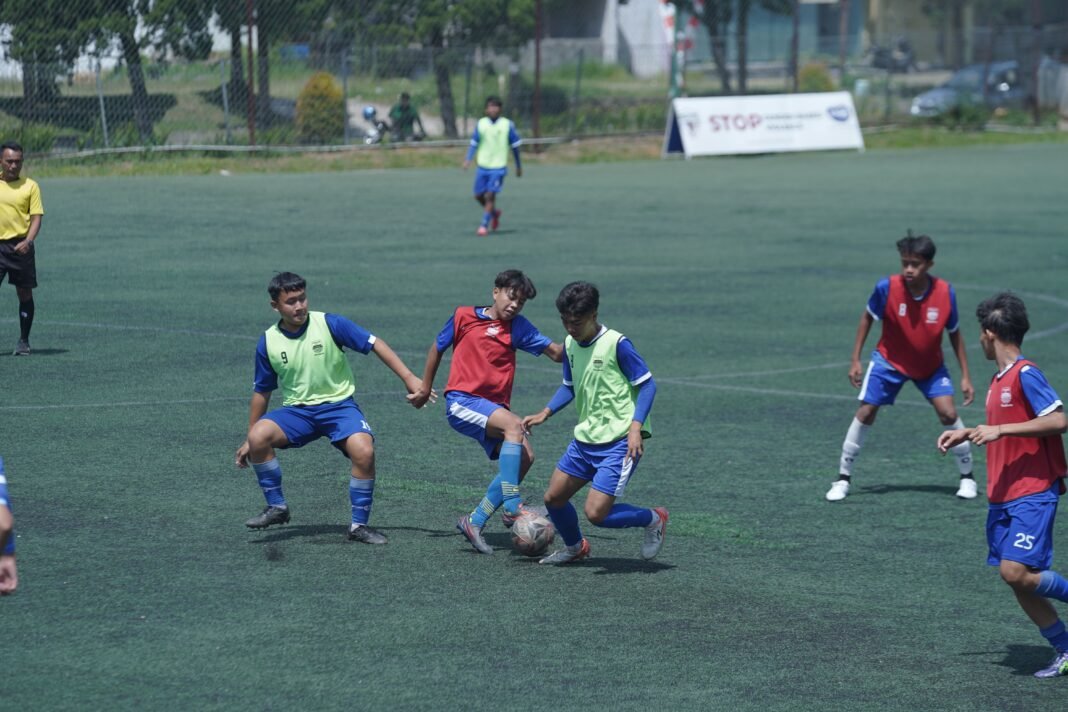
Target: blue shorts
x=882 y=382
x=468 y=416
x=1022 y=530
x=304 y=423
x=606 y=466
x=489 y=180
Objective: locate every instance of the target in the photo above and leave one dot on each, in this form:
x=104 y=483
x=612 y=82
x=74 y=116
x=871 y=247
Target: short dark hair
x=514 y=281
x=285 y=282
x=495 y=100
x=10 y=146
x=578 y=299
x=405 y=95
x=1006 y=315
x=921 y=245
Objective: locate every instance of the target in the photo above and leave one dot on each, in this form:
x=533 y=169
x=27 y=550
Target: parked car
x=965 y=88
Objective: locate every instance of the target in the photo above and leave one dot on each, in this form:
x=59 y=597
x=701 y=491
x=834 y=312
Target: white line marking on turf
x=698 y=381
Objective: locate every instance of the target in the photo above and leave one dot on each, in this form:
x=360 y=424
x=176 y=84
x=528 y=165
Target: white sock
x=854 y=440
x=963 y=451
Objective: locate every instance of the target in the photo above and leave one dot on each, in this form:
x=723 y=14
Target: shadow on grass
x=82 y=113
x=44 y=352
x=291 y=531
x=891 y=489
x=1021 y=659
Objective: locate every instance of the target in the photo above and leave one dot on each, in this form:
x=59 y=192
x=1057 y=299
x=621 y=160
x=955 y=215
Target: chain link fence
x=333 y=90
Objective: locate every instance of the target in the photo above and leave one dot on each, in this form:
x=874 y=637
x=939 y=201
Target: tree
x=449 y=28
x=46 y=37
x=178 y=25
x=716 y=17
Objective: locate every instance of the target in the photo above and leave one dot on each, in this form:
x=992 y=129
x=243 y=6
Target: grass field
x=739 y=280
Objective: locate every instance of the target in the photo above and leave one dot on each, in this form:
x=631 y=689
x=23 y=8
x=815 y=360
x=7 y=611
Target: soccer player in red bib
x=477 y=397
x=915 y=307
x=1025 y=470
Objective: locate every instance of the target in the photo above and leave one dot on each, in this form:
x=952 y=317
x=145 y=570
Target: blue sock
x=511 y=456
x=1053 y=585
x=270 y=476
x=486 y=217
x=565 y=519
x=489 y=503
x=627 y=515
x=361 y=495
x=1056 y=635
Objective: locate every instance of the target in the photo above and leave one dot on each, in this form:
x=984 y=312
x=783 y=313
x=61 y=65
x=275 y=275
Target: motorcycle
x=379 y=127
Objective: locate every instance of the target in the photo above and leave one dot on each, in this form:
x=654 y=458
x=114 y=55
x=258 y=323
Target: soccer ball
x=532 y=534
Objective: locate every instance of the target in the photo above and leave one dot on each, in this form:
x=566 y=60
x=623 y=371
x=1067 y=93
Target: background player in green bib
x=613 y=391
x=303 y=356
x=493 y=136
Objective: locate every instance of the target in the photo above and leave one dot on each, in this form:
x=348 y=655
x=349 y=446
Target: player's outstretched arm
x=393 y=361
x=426 y=392
x=7 y=525
x=952 y=438
x=856 y=370
x=555 y=352
x=9 y=578
x=966 y=388
x=256 y=409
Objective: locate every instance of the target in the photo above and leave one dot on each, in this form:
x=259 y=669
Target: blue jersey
x=344 y=331
x=877 y=302
x=525 y=336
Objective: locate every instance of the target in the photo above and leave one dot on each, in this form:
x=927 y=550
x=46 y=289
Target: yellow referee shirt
x=19 y=199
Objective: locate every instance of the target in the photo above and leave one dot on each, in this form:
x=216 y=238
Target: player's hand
x=856 y=374
x=518 y=171
x=952 y=438
x=24 y=247
x=9 y=577
x=968 y=391
x=537 y=419
x=421 y=397
x=241 y=456
x=635 y=446
x=983 y=434
x=465 y=165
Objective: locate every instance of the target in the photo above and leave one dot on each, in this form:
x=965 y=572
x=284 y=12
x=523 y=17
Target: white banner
x=762 y=124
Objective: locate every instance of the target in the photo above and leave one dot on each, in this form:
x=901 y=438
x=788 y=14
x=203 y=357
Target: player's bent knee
x=1018 y=577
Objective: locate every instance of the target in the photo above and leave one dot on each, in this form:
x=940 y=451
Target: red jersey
x=912 y=328
x=1017 y=467
x=483 y=357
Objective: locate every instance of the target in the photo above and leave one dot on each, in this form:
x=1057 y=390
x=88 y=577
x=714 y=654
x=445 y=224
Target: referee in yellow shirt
x=20 y=221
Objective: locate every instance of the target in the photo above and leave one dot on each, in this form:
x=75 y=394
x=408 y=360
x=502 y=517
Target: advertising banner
x=712 y=126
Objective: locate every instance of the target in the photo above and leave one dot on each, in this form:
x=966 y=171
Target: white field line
x=698 y=381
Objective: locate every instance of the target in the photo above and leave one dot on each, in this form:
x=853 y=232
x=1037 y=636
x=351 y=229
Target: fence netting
x=82 y=75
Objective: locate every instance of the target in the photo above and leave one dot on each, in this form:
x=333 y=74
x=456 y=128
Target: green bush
x=814 y=77
x=320 y=110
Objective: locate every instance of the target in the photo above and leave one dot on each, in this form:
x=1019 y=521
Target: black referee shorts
x=20 y=270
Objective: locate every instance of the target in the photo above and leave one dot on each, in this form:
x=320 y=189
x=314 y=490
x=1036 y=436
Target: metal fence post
x=100 y=97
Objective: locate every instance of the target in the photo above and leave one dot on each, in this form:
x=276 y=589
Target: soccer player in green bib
x=493 y=136
x=613 y=391
x=303 y=355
